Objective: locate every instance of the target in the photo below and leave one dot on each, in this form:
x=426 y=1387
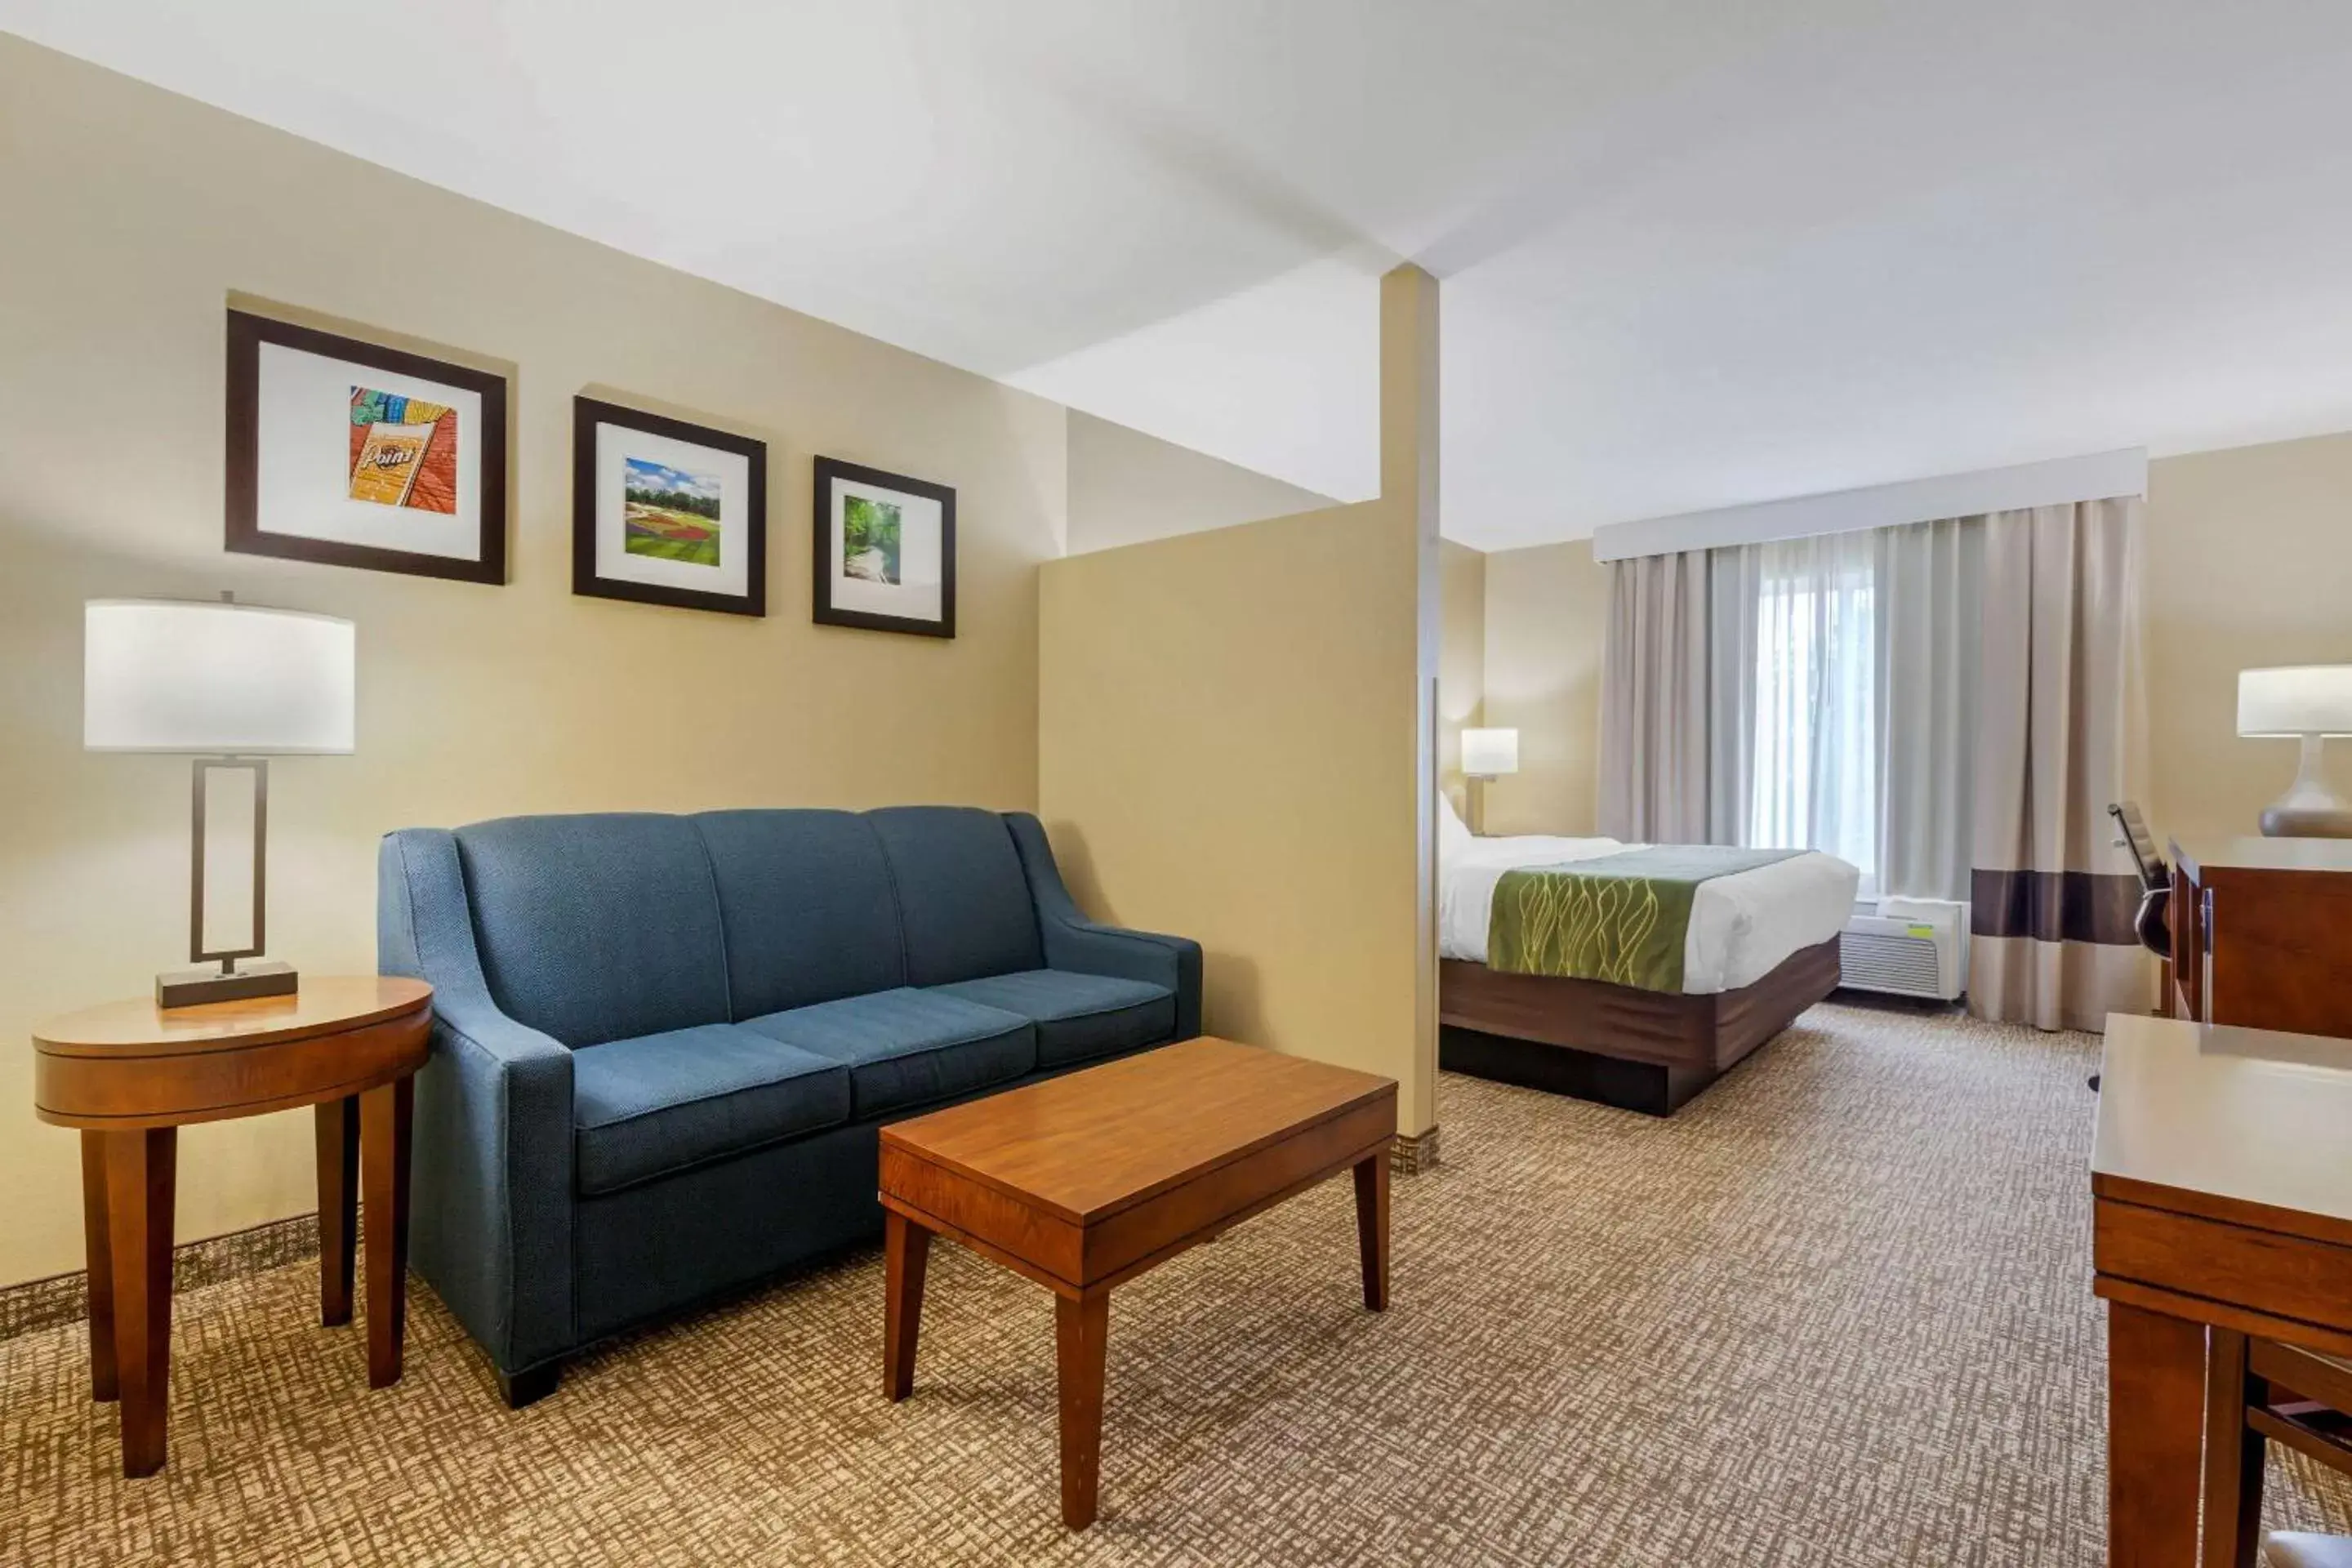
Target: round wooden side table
x=131 y=1074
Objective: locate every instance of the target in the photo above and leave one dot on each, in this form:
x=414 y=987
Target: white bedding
x=1742 y=926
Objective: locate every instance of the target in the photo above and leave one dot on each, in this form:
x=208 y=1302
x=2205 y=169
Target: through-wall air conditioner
x=1910 y=947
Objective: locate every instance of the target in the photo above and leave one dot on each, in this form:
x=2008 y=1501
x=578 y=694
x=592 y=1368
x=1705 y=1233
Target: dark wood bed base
x=1639 y=1050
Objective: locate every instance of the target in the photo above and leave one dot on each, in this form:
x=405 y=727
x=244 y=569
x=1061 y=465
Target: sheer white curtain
x=1842 y=700
x=1796 y=754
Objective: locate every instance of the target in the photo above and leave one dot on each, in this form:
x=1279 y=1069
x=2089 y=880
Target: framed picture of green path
x=886 y=556
x=665 y=513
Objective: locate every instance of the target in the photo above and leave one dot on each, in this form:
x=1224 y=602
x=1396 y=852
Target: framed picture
x=665 y=513
x=353 y=454
x=885 y=550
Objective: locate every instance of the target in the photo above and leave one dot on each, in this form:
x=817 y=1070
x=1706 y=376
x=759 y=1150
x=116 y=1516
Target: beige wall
x=1234 y=743
x=1127 y=488
x=130 y=217
x=1547 y=610
x=1461 y=657
x=2248 y=562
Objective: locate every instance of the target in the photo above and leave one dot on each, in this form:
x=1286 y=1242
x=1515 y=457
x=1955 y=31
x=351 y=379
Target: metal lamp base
x=236 y=973
x=239 y=983
x=2301 y=821
x=2309 y=809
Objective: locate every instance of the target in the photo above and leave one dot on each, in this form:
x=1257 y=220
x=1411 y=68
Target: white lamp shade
x=1489 y=753
x=2295 y=699
x=166 y=674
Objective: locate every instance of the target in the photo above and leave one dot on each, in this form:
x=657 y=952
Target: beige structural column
x=1409 y=473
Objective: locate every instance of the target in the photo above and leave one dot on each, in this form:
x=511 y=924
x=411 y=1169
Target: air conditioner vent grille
x=1903 y=964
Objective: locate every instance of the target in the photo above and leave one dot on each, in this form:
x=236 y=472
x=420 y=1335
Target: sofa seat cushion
x=906 y=1047
x=1078 y=1016
x=646 y=1107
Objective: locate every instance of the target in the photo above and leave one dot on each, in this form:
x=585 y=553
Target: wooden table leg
x=2156 y=1411
x=97 y=1251
x=2234 y=1453
x=905 y=1254
x=385 y=1114
x=139 y=1192
x=339 y=1198
x=1372 y=1227
x=1081 y=1343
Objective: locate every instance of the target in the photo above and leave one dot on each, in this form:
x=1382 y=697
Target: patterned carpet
x=1837 y=1311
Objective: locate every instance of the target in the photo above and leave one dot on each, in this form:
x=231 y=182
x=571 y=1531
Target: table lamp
x=2308 y=702
x=1487 y=755
x=233 y=685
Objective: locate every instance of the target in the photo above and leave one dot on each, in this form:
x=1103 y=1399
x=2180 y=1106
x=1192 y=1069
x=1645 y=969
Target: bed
x=1760 y=946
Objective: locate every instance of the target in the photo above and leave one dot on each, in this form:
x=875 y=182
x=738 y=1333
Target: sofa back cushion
x=963 y=902
x=805 y=897
x=596 y=928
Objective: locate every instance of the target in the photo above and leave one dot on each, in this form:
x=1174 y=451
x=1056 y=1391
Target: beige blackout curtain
x=2059 y=726
x=1654 y=700
x=1929 y=629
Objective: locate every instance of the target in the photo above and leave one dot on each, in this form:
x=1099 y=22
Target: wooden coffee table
x=1083 y=1182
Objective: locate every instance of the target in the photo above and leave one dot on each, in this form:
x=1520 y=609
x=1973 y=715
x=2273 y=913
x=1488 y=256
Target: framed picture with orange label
x=350 y=454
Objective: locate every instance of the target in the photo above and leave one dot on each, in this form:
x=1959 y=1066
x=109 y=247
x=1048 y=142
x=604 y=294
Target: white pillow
x=1451 y=835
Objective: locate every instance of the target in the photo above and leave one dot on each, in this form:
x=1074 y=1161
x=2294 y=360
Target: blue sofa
x=663 y=1045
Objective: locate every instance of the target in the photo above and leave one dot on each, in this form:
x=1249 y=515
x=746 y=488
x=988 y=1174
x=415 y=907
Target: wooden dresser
x=2222 y=1205
x=2261 y=933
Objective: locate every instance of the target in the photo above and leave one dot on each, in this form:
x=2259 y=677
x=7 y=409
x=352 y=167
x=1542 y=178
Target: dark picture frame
x=244 y=533
x=587 y=415
x=831 y=471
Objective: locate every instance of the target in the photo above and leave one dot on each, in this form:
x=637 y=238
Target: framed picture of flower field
x=351 y=454
x=885 y=550
x=665 y=513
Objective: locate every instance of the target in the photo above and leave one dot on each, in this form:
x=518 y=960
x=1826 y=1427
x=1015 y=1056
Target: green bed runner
x=1624 y=919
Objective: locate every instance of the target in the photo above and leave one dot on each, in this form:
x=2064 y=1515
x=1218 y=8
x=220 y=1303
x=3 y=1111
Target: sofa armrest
x=1073 y=942
x=492 y=1184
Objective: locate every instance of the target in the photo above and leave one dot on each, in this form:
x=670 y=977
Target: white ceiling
x=1694 y=253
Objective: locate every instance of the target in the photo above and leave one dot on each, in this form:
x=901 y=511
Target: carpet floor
x=1837 y=1311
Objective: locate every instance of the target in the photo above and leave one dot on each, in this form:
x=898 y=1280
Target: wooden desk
x=131 y=1074
x=1082 y=1183
x=2261 y=933
x=2221 y=1198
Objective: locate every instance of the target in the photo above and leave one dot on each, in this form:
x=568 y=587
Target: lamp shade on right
x=1490 y=753
x=223 y=679
x=2295 y=699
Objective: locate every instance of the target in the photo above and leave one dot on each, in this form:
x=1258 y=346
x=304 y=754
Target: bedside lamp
x=1487 y=755
x=233 y=685
x=2308 y=702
